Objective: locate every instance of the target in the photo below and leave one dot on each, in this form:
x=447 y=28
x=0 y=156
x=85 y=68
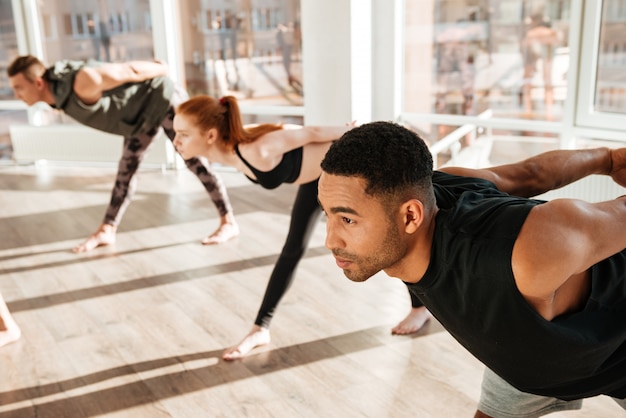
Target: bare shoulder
x=88 y=84
x=557 y=241
x=552 y=258
x=87 y=75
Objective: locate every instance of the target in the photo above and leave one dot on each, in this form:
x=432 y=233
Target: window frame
x=586 y=116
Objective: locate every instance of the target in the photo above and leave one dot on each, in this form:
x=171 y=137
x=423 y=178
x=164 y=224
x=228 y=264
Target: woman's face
x=190 y=141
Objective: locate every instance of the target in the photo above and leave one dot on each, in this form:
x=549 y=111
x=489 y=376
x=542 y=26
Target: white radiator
x=78 y=143
x=592 y=189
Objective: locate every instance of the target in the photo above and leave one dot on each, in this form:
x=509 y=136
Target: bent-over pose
x=268 y=155
x=535 y=290
x=131 y=99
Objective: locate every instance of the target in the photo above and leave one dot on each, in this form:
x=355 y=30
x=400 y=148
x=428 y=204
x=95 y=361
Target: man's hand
x=618 y=166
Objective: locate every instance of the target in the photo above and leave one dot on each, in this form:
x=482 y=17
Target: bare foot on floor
x=413 y=322
x=225 y=232
x=9 y=331
x=105 y=235
x=257 y=337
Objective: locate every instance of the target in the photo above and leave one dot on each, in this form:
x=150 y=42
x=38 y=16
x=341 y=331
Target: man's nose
x=332 y=241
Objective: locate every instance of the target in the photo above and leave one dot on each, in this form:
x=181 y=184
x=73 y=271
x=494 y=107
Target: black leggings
x=134 y=150
x=305 y=214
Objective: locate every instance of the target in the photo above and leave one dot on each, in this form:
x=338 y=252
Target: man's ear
x=40 y=83
x=413 y=215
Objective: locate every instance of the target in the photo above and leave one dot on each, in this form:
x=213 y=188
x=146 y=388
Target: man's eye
x=347 y=220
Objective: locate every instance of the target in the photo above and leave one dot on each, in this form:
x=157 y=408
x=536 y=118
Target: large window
x=610 y=95
x=550 y=69
x=603 y=90
x=247 y=49
x=8 y=50
x=8 y=46
x=94 y=29
x=91 y=29
x=465 y=57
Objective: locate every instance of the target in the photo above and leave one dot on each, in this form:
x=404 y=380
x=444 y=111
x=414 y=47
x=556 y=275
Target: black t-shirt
x=470 y=288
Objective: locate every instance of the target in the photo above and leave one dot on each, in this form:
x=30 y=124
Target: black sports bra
x=287 y=171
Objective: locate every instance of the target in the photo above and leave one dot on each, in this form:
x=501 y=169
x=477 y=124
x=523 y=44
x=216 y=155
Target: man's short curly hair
x=392 y=159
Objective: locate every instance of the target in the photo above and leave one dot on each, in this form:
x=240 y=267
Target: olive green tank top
x=126 y=110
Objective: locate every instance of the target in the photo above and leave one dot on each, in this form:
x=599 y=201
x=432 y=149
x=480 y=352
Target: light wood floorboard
x=137 y=329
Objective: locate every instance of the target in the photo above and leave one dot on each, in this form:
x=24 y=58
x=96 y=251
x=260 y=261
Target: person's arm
x=559 y=241
x=550 y=170
x=284 y=140
x=91 y=82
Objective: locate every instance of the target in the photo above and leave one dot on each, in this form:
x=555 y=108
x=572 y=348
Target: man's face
x=362 y=235
x=30 y=92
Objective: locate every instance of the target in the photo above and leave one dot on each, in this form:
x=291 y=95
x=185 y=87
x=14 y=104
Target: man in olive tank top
x=134 y=100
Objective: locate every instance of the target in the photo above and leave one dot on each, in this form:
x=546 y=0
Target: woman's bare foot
x=104 y=235
x=257 y=337
x=413 y=322
x=9 y=331
x=226 y=231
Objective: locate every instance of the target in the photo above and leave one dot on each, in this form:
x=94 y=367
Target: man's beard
x=385 y=255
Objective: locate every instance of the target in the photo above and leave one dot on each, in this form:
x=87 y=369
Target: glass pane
x=610 y=94
x=250 y=50
x=491 y=147
x=8 y=51
x=8 y=47
x=469 y=56
x=92 y=29
x=510 y=146
x=102 y=30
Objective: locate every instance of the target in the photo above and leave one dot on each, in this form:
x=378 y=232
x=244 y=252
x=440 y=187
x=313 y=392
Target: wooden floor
x=137 y=330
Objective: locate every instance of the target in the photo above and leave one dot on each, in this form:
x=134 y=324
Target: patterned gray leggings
x=133 y=153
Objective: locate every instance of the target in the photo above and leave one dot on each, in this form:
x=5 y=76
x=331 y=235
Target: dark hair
x=28 y=65
x=224 y=115
x=394 y=161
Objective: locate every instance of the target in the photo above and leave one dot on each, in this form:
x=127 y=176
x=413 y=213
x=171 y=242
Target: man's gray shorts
x=498 y=399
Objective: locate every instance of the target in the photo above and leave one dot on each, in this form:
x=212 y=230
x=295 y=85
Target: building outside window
x=247 y=49
x=460 y=58
x=465 y=57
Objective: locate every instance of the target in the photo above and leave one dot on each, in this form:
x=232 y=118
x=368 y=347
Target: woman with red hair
x=269 y=155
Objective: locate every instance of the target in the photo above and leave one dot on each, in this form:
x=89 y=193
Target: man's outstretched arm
x=551 y=170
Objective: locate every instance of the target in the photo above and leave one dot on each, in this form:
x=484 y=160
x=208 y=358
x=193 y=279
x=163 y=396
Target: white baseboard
x=78 y=143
